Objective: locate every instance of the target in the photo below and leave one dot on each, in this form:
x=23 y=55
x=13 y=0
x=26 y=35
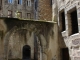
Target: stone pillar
x=40 y=53
x=6 y=42
x=54 y=11
x=44 y=55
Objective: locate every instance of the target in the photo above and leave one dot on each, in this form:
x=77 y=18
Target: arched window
x=26 y=52
x=20 y=2
x=10 y=1
x=28 y=2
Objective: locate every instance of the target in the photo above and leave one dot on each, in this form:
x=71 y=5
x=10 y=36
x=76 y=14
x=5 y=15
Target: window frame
x=28 y=15
x=9 y=13
x=20 y=2
x=19 y=14
x=28 y=3
x=10 y=1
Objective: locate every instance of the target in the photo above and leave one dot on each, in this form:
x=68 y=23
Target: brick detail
x=45 y=10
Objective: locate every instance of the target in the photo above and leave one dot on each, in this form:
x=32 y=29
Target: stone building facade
x=69 y=27
x=58 y=40
x=17 y=8
x=26 y=9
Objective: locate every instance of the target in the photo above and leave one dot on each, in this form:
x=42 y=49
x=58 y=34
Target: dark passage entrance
x=74 y=22
x=63 y=20
x=26 y=52
x=65 y=54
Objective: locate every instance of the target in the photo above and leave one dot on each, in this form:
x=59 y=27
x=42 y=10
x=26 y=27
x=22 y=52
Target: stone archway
x=37 y=29
x=26 y=47
x=7 y=39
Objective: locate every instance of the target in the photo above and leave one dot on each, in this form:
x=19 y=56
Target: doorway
x=26 y=52
x=65 y=54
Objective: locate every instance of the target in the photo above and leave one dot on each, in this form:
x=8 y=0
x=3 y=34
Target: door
x=26 y=52
x=65 y=54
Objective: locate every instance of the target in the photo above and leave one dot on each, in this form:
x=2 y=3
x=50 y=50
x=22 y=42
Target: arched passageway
x=26 y=52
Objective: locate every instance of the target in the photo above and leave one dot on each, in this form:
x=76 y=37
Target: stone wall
x=71 y=41
x=14 y=7
x=3 y=29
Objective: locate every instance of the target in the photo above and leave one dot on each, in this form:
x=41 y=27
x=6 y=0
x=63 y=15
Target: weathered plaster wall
x=17 y=40
x=20 y=33
x=53 y=49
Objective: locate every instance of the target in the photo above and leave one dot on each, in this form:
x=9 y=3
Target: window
x=36 y=4
x=62 y=20
x=72 y=22
x=9 y=13
x=28 y=16
x=28 y=2
x=10 y=1
x=19 y=1
x=19 y=14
